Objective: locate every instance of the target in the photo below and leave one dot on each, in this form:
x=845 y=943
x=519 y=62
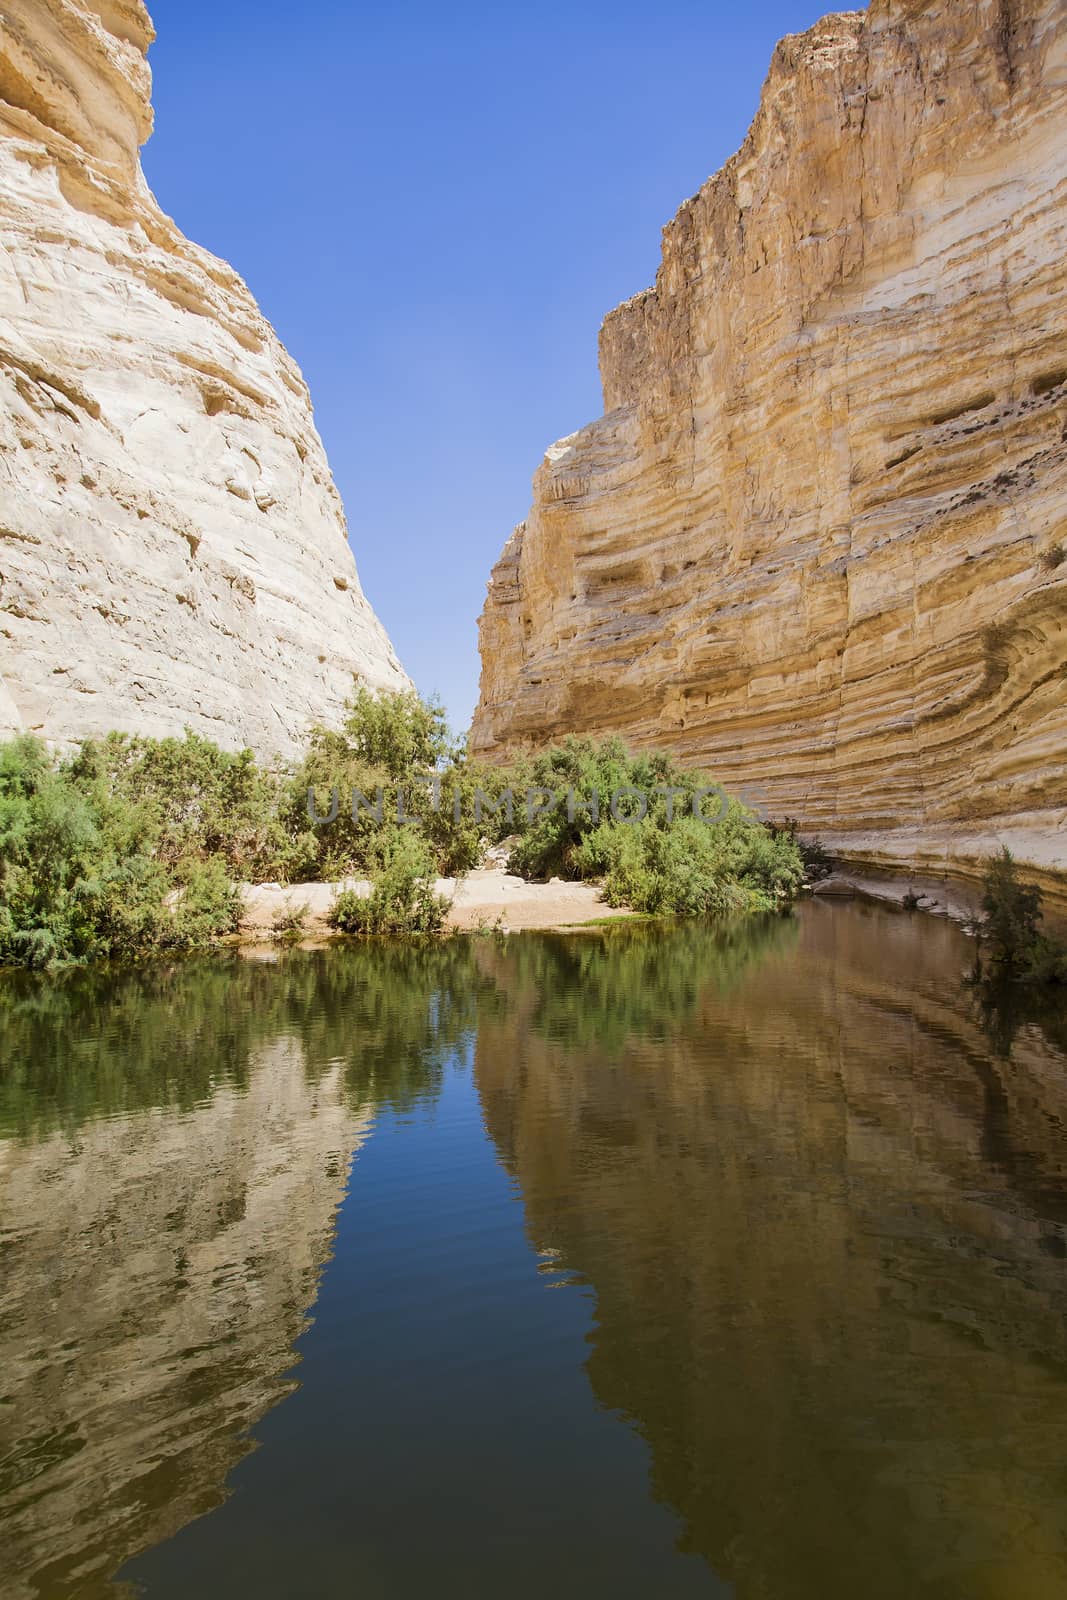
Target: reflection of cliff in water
x=161 y=1253
x=158 y=1271
x=823 y=1222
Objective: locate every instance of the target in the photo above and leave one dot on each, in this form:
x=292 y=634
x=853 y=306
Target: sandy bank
x=944 y=886
x=481 y=899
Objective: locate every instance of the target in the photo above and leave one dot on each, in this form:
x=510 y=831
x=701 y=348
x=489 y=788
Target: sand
x=486 y=898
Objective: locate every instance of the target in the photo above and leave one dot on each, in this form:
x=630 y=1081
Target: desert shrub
x=458 y=806
x=207 y=905
x=289 y=923
x=48 y=840
x=669 y=861
x=192 y=798
x=137 y=908
x=693 y=868
x=551 y=841
x=403 y=898
x=130 y=847
x=818 y=862
x=332 y=769
x=1009 y=928
x=1046 y=961
x=1011 y=912
x=473 y=813
x=79 y=876
x=395 y=753
x=398 y=733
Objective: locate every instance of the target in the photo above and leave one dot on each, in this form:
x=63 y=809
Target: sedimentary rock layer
x=172 y=547
x=818 y=541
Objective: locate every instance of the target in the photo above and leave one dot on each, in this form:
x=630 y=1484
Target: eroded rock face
x=817 y=542
x=173 y=550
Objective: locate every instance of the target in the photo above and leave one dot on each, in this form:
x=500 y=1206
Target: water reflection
x=178 y=1144
x=605 y=988
x=815 y=1191
x=93 y=1044
x=824 y=1226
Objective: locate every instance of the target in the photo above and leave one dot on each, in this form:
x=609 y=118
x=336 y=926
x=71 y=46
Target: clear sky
x=436 y=202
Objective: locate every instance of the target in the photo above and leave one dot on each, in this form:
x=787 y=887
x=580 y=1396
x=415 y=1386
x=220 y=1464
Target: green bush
x=207 y=905
x=671 y=861
x=818 y=863
x=81 y=878
x=48 y=839
x=393 y=750
x=693 y=868
x=473 y=813
x=331 y=768
x=290 y=923
x=191 y=798
x=550 y=844
x=131 y=847
x=1010 y=926
x=399 y=732
x=402 y=899
x=1011 y=912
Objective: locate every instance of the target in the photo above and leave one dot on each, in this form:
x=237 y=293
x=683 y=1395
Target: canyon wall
x=173 y=550
x=818 y=541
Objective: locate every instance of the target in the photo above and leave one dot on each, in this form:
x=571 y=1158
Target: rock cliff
x=818 y=541
x=172 y=547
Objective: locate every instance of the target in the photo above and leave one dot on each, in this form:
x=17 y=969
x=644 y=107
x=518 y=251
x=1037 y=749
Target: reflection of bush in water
x=92 y=1043
x=603 y=987
x=390 y=1014
x=1004 y=1008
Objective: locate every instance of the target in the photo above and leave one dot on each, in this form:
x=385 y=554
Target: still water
x=640 y=1262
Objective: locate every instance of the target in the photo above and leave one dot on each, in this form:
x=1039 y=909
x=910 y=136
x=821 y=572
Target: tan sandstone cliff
x=172 y=547
x=818 y=542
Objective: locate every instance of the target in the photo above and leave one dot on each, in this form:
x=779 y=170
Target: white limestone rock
x=173 y=550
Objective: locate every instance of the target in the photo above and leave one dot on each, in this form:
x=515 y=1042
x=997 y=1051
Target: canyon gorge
x=817 y=543
x=173 y=550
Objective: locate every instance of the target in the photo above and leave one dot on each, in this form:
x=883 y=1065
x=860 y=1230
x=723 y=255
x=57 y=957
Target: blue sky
x=436 y=205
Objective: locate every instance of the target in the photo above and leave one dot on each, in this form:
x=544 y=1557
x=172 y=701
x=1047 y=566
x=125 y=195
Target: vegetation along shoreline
x=133 y=847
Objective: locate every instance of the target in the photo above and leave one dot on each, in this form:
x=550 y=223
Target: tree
x=1011 y=913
